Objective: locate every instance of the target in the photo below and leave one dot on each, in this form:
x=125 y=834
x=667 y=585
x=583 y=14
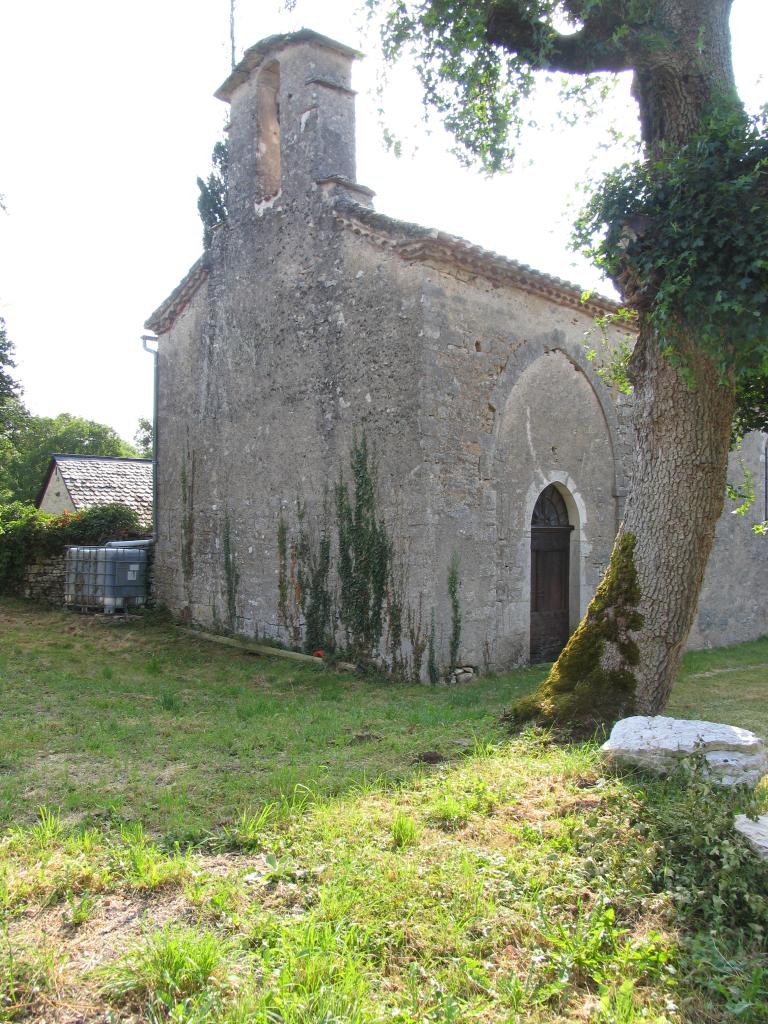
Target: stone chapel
x=313 y=318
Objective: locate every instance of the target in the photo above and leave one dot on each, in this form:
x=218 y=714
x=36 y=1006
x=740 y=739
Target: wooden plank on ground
x=250 y=647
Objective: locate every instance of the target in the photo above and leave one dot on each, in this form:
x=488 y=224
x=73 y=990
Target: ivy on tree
x=683 y=233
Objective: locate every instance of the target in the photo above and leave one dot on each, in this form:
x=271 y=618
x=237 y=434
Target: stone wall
x=732 y=604
x=44 y=580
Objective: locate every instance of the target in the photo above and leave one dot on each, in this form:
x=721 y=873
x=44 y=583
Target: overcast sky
x=107 y=118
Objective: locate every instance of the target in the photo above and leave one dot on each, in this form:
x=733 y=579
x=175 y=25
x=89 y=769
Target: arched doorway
x=550 y=575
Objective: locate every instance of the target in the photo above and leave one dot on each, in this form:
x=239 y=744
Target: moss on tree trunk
x=592 y=684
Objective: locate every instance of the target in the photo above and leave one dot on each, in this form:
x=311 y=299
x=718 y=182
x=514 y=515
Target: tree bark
x=682 y=427
x=681 y=419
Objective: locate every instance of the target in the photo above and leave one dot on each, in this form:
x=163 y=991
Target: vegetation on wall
x=314 y=566
x=27 y=534
x=231 y=574
x=342 y=582
x=417 y=639
x=453 y=594
x=364 y=555
x=433 y=673
x=188 y=524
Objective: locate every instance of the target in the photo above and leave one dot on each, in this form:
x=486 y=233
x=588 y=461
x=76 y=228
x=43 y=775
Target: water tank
x=105 y=578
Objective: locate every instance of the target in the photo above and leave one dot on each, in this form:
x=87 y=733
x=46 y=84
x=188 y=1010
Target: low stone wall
x=44 y=580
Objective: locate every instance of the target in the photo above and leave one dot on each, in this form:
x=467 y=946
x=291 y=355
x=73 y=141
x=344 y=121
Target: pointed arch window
x=550 y=509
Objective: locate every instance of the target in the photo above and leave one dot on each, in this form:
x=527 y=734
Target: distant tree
x=33 y=439
x=9 y=388
x=142 y=439
x=14 y=420
x=212 y=201
x=13 y=415
x=751 y=406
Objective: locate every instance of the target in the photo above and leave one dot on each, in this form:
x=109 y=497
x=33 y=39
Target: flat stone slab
x=755 y=832
x=656 y=743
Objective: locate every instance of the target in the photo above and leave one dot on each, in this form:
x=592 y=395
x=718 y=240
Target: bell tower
x=292 y=121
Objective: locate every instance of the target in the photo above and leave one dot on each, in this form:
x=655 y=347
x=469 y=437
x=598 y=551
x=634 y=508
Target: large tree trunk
x=624 y=655
x=682 y=432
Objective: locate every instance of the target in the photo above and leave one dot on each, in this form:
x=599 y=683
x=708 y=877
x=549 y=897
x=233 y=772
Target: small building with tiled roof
x=313 y=319
x=75 y=482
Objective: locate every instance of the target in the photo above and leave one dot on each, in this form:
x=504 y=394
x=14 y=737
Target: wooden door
x=550 y=549
x=550 y=576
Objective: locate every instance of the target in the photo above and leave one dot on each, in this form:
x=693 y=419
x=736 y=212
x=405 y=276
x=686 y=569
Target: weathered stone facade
x=314 y=318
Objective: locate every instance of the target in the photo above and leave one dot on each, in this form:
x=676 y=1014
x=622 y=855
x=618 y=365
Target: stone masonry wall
x=44 y=580
x=732 y=604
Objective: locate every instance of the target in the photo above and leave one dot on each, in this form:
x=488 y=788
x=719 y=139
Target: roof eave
x=168 y=311
x=417 y=244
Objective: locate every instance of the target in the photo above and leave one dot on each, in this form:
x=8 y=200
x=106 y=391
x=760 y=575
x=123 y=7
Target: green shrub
x=712 y=875
x=26 y=533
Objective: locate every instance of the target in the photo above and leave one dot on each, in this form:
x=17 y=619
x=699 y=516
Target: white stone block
x=755 y=832
x=657 y=743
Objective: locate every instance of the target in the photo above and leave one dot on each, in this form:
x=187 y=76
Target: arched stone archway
x=550 y=430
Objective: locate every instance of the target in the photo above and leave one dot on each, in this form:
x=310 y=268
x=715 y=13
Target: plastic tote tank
x=107 y=578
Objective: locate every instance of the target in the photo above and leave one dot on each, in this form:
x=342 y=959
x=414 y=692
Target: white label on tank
x=134 y=568
x=132 y=575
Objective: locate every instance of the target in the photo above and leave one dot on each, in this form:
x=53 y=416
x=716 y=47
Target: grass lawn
x=228 y=838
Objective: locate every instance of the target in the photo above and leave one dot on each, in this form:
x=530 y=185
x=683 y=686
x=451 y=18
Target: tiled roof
x=100 y=480
x=418 y=244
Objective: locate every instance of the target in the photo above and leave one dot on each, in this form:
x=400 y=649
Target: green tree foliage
x=27 y=442
x=685 y=237
x=212 y=201
x=9 y=388
x=751 y=404
x=142 y=439
x=31 y=440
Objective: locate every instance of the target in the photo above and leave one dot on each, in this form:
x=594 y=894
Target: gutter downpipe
x=146 y=341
